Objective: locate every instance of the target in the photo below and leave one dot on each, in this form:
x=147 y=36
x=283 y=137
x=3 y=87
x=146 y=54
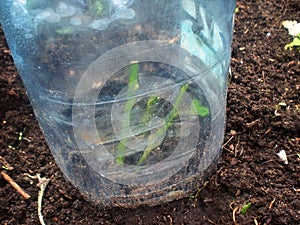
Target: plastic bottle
x=130 y=94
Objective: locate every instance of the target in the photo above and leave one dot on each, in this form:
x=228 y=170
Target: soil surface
x=263 y=118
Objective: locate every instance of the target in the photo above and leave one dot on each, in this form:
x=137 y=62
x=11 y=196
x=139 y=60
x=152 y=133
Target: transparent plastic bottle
x=130 y=94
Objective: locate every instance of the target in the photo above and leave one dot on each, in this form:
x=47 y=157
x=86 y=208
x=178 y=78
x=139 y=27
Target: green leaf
x=133 y=85
x=245 y=208
x=293 y=44
x=120 y=158
x=199 y=108
x=296 y=41
x=169 y=122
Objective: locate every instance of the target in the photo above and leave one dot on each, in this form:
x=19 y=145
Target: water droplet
x=65 y=10
x=123 y=13
x=48 y=15
x=76 y=21
x=101 y=24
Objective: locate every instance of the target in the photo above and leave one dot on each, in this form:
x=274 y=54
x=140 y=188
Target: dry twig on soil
x=14 y=185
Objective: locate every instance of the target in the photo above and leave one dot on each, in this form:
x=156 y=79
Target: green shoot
x=278 y=107
x=294 y=31
x=133 y=85
x=4 y=167
x=149 y=148
x=177 y=102
x=169 y=123
x=20 y=136
x=120 y=152
x=245 y=208
x=11 y=147
x=199 y=109
x=294 y=44
x=150 y=104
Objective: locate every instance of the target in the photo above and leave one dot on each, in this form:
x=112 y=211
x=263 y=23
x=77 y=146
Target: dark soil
x=263 y=75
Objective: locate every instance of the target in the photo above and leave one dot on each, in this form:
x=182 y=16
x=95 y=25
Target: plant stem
x=162 y=130
x=150 y=103
x=133 y=85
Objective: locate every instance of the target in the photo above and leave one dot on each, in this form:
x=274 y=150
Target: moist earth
x=263 y=118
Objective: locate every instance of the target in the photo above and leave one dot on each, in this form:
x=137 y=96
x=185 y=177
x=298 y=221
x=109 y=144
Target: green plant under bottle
x=197 y=108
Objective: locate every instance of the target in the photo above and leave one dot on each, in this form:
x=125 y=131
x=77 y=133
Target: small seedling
x=294 y=44
x=19 y=140
x=199 y=109
x=20 y=136
x=150 y=107
x=11 y=147
x=294 y=31
x=245 y=208
x=5 y=167
x=133 y=85
x=169 y=122
x=278 y=107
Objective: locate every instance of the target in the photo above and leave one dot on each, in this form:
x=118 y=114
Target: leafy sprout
x=133 y=85
x=294 y=31
x=245 y=208
x=278 y=107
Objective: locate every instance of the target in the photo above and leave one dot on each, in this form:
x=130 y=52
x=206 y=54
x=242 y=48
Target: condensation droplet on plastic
x=48 y=15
